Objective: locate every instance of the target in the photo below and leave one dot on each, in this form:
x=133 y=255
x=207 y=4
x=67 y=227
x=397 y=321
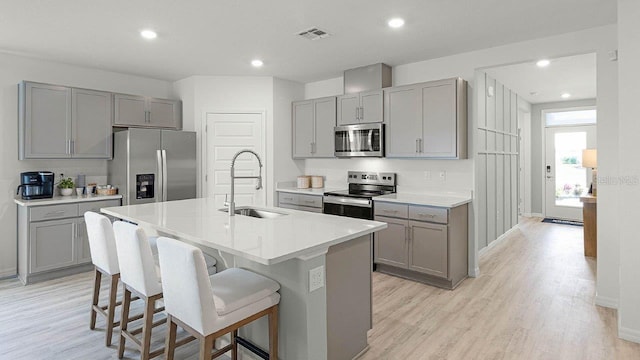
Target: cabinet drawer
x=392 y=210
x=310 y=201
x=95 y=206
x=287 y=198
x=428 y=213
x=53 y=212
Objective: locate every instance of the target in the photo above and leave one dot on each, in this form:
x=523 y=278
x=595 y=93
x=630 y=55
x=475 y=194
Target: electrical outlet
x=316 y=278
x=443 y=176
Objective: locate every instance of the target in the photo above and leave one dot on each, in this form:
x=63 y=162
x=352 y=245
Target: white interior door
x=226 y=134
x=565 y=178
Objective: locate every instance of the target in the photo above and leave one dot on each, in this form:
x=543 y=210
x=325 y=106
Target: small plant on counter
x=66 y=184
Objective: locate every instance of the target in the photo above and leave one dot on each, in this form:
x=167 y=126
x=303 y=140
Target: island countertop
x=266 y=241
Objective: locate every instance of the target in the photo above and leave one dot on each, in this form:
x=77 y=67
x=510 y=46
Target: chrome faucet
x=231 y=203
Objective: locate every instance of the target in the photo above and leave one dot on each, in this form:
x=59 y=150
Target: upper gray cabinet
x=58 y=122
x=427 y=120
x=141 y=111
x=313 y=123
x=364 y=107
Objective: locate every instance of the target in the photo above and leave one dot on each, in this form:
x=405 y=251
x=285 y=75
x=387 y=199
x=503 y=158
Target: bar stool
x=208 y=307
x=138 y=275
x=105 y=260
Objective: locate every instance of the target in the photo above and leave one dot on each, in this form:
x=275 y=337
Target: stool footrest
x=252 y=347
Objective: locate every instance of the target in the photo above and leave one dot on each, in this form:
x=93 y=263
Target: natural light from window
x=571 y=117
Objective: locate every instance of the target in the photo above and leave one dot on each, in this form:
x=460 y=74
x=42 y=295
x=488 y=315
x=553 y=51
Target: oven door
x=350 y=207
x=359 y=140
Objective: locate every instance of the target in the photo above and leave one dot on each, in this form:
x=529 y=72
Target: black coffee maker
x=36 y=185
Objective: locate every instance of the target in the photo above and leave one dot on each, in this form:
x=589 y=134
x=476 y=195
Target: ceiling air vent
x=313 y=33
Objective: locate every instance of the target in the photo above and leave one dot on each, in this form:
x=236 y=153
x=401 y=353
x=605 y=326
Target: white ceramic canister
x=304 y=182
x=317 y=182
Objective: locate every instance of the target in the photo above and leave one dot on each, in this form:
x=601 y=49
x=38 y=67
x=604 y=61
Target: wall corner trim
x=629 y=334
x=608 y=302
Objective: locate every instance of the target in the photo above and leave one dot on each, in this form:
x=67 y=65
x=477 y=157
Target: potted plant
x=66 y=187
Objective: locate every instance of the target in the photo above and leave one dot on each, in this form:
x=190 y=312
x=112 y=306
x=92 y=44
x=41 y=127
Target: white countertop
x=310 y=191
x=266 y=241
x=65 y=199
x=438 y=200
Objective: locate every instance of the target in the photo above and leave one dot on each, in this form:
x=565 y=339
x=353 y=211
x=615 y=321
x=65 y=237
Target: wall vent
x=314 y=33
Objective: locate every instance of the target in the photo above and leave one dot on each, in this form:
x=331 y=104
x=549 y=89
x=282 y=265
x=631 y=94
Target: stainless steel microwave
x=359 y=140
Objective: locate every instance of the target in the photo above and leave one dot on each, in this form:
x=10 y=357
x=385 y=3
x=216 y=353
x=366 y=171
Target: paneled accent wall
x=497 y=159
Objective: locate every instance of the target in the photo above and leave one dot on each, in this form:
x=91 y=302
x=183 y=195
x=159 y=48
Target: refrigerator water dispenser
x=144 y=186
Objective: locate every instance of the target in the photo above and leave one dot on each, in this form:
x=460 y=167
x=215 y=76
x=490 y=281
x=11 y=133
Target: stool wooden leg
x=124 y=320
x=147 y=327
x=111 y=310
x=206 y=345
x=170 y=345
x=234 y=345
x=97 y=278
x=273 y=333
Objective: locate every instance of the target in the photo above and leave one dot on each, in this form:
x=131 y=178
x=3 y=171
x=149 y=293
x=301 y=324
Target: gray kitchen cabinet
x=391 y=245
x=303 y=202
x=423 y=243
x=141 y=111
x=44 y=128
x=91 y=116
x=52 y=239
x=313 y=123
x=427 y=120
x=53 y=244
x=360 y=108
x=428 y=252
x=58 y=122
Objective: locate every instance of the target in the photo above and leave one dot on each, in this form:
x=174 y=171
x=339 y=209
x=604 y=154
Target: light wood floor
x=533 y=300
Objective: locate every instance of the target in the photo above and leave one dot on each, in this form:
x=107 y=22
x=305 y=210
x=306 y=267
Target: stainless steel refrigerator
x=151 y=165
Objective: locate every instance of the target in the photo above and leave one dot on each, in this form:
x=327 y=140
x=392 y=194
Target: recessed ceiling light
x=566 y=95
x=257 y=63
x=396 y=23
x=148 y=34
x=543 y=63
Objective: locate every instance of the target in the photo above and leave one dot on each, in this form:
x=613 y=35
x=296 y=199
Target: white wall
x=201 y=94
x=600 y=40
x=629 y=147
x=14 y=69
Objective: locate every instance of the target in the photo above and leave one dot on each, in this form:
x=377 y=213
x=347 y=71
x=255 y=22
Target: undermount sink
x=256 y=213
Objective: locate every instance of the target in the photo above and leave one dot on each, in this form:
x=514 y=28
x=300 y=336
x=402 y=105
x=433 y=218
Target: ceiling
x=575 y=75
x=221 y=37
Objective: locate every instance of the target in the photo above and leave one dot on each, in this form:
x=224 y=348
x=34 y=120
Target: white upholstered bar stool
x=210 y=306
x=105 y=260
x=139 y=276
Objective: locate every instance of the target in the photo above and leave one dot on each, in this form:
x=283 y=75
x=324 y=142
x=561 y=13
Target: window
x=570 y=117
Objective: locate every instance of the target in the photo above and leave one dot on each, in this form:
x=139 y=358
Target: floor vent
x=314 y=33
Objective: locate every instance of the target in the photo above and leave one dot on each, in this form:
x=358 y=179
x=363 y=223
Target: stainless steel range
x=357 y=201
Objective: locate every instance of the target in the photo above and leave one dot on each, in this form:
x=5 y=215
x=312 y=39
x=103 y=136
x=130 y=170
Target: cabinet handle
x=311 y=148
x=54 y=213
x=427 y=215
x=390 y=211
x=410 y=233
x=73 y=146
x=417 y=146
x=361 y=113
x=421 y=146
x=309 y=201
x=357 y=113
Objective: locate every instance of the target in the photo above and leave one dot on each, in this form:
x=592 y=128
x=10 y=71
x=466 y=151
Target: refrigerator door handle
x=160 y=179
x=164 y=175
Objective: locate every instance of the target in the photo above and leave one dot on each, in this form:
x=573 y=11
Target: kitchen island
x=324 y=318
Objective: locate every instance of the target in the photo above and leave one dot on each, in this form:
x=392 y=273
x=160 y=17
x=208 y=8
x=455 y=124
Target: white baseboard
x=8 y=273
x=474 y=273
x=498 y=240
x=629 y=334
x=533 y=215
x=607 y=302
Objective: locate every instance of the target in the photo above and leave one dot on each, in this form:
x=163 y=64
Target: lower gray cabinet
x=53 y=244
x=52 y=239
x=424 y=243
x=311 y=203
x=391 y=245
x=428 y=252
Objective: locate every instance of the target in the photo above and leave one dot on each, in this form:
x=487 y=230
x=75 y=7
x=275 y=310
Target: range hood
x=370 y=77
